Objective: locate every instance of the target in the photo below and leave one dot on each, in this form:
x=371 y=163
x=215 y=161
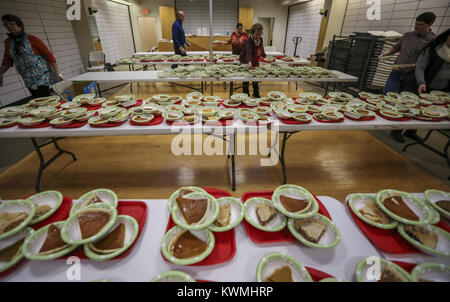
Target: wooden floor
x=332 y=163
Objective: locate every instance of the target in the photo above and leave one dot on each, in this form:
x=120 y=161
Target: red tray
x=156 y=121
x=362 y=119
x=8 y=126
x=279 y=57
x=329 y=121
x=61 y=214
x=108 y=125
x=431 y=120
x=43 y=125
x=284 y=235
x=225 y=246
x=443 y=225
x=403 y=119
x=293 y=122
x=72 y=125
x=405 y=265
x=91 y=107
x=389 y=241
x=136 y=209
x=317 y=275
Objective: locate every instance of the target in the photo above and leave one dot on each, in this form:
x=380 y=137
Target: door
x=167 y=16
x=147 y=32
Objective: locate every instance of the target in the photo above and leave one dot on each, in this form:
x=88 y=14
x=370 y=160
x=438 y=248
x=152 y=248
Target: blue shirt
x=178 y=34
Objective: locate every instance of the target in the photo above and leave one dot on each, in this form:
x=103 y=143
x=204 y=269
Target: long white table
x=145 y=260
x=235 y=62
x=226 y=52
x=151 y=76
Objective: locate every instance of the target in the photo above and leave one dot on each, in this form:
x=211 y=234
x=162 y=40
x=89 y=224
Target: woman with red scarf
x=251 y=53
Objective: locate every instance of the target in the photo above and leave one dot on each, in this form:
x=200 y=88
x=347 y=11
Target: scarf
x=18 y=40
x=443 y=52
x=257 y=43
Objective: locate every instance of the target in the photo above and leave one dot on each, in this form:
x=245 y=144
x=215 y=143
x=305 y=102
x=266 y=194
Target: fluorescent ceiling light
x=123 y=2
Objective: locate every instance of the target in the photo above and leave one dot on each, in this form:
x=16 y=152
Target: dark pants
x=41 y=91
x=178 y=52
x=255 y=89
x=399 y=81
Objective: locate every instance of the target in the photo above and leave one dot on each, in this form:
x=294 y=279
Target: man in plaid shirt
x=409 y=46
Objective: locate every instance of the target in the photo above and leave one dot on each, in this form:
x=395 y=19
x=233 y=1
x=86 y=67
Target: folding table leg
x=42 y=163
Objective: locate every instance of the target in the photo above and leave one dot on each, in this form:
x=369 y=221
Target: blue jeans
x=399 y=81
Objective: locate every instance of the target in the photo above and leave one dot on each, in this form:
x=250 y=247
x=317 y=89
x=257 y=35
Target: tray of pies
x=389 y=271
x=15 y=215
x=222 y=228
x=281 y=267
x=122 y=237
x=262 y=236
x=11 y=250
x=95 y=196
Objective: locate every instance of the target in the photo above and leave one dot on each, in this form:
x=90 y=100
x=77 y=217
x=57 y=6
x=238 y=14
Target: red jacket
x=39 y=48
x=238 y=42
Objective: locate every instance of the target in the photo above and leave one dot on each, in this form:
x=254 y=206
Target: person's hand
x=382 y=55
x=250 y=66
x=422 y=88
x=182 y=50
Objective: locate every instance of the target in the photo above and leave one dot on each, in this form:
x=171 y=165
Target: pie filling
x=425 y=237
x=9 y=221
x=112 y=242
x=42 y=210
x=91 y=200
x=397 y=205
x=283 y=274
x=91 y=222
x=389 y=275
x=53 y=242
x=372 y=212
x=295 y=205
x=311 y=228
x=193 y=210
x=9 y=253
x=187 y=245
x=224 y=217
x=444 y=204
x=265 y=213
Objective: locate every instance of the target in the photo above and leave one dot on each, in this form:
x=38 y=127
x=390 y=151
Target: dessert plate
x=106 y=195
x=433 y=196
x=273 y=261
x=330 y=238
x=443 y=240
x=11 y=208
x=357 y=201
x=173 y=276
x=363 y=274
x=415 y=204
x=276 y=224
x=62 y=213
x=131 y=233
x=296 y=192
x=236 y=213
x=71 y=232
x=203 y=235
x=319 y=276
x=434 y=272
x=172 y=199
x=209 y=218
x=52 y=199
x=9 y=243
x=33 y=244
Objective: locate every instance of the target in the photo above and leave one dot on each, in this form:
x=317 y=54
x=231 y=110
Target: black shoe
x=412 y=134
x=256 y=95
x=397 y=136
